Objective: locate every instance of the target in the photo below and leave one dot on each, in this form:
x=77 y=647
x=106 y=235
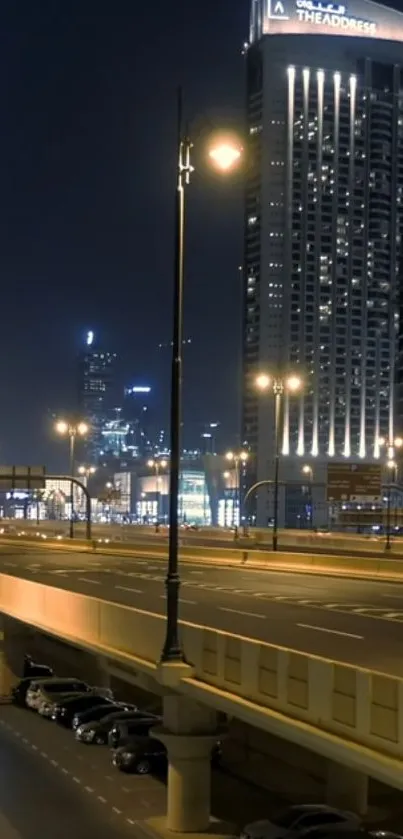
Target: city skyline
x=88 y=192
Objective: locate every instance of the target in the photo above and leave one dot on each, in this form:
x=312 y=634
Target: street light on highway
x=86 y=472
x=225 y=161
x=308 y=471
x=156 y=464
x=237 y=458
x=279 y=385
x=391 y=444
x=72 y=430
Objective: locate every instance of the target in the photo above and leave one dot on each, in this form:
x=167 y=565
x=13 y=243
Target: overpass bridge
x=351 y=716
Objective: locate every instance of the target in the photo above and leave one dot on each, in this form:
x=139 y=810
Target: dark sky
x=87 y=157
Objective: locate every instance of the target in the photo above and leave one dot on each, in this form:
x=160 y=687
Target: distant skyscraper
x=96 y=392
x=323 y=227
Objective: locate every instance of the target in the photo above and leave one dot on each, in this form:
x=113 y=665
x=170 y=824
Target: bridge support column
x=189 y=732
x=12 y=650
x=347 y=788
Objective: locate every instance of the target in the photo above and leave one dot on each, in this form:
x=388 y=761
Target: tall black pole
x=277 y=412
x=172 y=650
x=71 y=468
x=388 y=546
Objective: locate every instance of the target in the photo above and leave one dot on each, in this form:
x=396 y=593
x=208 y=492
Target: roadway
x=349 y=620
x=51 y=786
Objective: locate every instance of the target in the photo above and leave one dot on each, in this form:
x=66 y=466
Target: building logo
x=276 y=10
x=332 y=15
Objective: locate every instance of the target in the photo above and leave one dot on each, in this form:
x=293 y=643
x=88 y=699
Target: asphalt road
x=55 y=788
x=354 y=621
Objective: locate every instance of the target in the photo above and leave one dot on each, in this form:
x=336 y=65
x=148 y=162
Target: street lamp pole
x=391 y=445
x=277 y=384
x=172 y=650
x=278 y=388
x=72 y=433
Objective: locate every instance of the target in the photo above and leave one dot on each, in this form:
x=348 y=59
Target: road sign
x=354 y=482
x=22 y=477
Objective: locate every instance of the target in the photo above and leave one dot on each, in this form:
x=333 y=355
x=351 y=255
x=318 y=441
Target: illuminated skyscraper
x=323 y=227
x=96 y=392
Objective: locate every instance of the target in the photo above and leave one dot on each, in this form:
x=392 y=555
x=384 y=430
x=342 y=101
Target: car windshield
x=288 y=817
x=61 y=687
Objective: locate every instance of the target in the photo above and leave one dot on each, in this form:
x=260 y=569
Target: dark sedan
x=98 y=732
x=64 y=711
x=143 y=755
x=127 y=729
x=96 y=713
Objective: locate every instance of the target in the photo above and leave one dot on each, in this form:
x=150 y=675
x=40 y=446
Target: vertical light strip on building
x=305 y=161
x=362 y=447
x=393 y=291
x=347 y=391
x=333 y=291
x=288 y=231
x=320 y=76
x=377 y=395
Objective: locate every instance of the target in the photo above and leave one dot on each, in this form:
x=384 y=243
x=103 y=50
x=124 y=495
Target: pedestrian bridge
x=352 y=716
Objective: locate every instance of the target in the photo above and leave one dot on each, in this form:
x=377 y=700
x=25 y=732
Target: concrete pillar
x=189 y=732
x=347 y=788
x=13 y=643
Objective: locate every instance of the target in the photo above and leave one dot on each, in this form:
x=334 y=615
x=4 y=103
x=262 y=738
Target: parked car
x=64 y=711
x=93 y=714
x=124 y=730
x=303 y=819
x=98 y=732
x=35 y=670
x=147 y=754
x=19 y=691
x=141 y=755
x=46 y=690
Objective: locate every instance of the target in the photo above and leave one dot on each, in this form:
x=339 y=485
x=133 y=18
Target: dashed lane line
x=91 y=582
x=127 y=588
x=238 y=612
x=331 y=631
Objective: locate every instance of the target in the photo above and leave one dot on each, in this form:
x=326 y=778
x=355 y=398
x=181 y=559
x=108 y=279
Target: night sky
x=87 y=156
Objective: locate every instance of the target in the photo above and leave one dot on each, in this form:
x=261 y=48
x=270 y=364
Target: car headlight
x=126 y=757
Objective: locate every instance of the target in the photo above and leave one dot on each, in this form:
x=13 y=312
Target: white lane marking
x=190 y=602
x=330 y=631
x=10 y=564
x=116 y=810
x=127 y=588
x=238 y=612
x=25 y=739
x=35 y=748
x=393 y=596
x=86 y=580
x=201 y=572
x=101 y=798
x=76 y=780
x=393 y=615
x=54 y=763
x=125 y=789
x=88 y=789
x=65 y=771
x=109 y=777
x=43 y=754
x=130 y=821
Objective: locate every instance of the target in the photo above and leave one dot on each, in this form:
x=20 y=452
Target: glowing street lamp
x=308 y=471
x=225 y=155
x=237 y=458
x=157 y=464
x=391 y=443
x=278 y=385
x=72 y=430
x=225 y=160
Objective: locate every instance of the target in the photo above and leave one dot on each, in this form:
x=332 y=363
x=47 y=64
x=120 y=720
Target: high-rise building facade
x=96 y=393
x=323 y=228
